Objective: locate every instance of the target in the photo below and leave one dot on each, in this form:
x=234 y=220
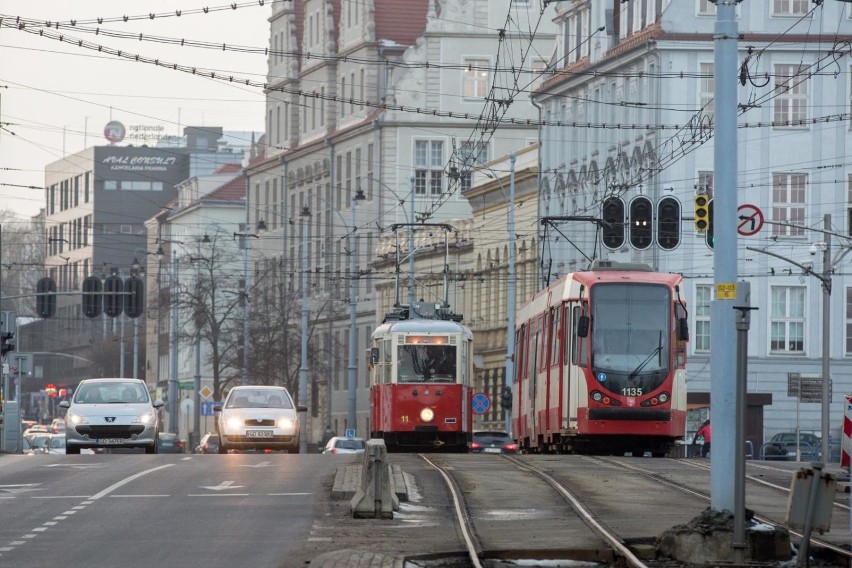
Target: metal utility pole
x=411 y=250
x=173 y=375
x=195 y=437
x=510 y=335
x=303 y=365
x=826 y=334
x=743 y=320
x=353 y=335
x=723 y=392
x=246 y=307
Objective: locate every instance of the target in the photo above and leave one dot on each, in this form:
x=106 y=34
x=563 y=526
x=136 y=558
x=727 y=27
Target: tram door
x=532 y=377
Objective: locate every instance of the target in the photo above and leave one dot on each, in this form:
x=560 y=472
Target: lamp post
x=173 y=390
x=195 y=436
x=353 y=291
x=303 y=365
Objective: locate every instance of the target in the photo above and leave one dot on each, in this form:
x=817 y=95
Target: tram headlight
x=664 y=397
x=427 y=415
x=597 y=396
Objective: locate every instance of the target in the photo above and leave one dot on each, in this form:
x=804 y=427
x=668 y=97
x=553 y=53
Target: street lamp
x=194 y=437
x=305 y=214
x=245 y=297
x=353 y=290
x=173 y=335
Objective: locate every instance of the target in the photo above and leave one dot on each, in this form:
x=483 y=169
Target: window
x=788 y=204
x=789 y=7
x=787 y=319
x=791 y=90
x=705 y=70
x=471 y=154
x=476 y=78
x=703 y=295
x=706 y=8
x=428 y=167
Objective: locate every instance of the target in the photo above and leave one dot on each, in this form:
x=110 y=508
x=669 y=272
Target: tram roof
x=421 y=326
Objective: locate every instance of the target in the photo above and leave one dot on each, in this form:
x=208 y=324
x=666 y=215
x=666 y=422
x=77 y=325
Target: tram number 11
x=631 y=391
x=404 y=419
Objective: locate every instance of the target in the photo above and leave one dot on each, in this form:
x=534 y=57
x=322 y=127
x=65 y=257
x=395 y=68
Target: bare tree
x=21 y=261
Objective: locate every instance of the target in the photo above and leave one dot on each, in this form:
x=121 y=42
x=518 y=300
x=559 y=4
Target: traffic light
x=6 y=342
x=113 y=292
x=702 y=212
x=668 y=223
x=613 y=216
x=709 y=238
x=46 y=298
x=641 y=222
x=134 y=297
x=506 y=398
x=92 y=298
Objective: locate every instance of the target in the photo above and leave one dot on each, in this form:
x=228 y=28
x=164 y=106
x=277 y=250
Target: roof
x=233 y=190
x=402 y=21
x=228 y=169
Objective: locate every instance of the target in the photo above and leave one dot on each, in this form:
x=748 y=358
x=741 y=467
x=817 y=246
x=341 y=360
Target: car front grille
x=260 y=441
x=260 y=422
x=118 y=431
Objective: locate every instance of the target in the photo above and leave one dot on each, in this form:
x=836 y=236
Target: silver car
x=258 y=418
x=111 y=413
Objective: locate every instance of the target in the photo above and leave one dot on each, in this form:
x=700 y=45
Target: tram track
x=483 y=543
x=767 y=517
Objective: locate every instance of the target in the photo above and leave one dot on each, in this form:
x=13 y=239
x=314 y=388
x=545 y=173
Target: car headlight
x=77 y=419
x=427 y=415
x=233 y=423
x=285 y=423
x=147 y=418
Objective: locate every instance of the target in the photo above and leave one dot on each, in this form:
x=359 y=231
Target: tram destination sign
x=807 y=386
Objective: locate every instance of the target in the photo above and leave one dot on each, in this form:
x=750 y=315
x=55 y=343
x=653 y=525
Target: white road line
x=68 y=512
x=50 y=523
x=39 y=529
x=289 y=494
x=117 y=496
x=127 y=480
x=60 y=518
x=62 y=497
x=218 y=494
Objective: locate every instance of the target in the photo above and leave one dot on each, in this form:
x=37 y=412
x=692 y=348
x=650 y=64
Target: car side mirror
x=682 y=329
x=301 y=408
x=583 y=326
x=159 y=403
x=64 y=404
x=217 y=407
x=374 y=355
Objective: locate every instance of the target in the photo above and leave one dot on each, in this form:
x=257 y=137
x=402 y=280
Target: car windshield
x=57 y=442
x=350 y=444
x=111 y=393
x=491 y=437
x=258 y=398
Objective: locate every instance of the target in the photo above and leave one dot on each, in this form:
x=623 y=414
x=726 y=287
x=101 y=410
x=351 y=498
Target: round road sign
x=749 y=219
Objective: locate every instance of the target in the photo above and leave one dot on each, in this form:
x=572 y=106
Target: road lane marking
x=127 y=480
x=289 y=494
x=222 y=486
x=218 y=494
x=117 y=496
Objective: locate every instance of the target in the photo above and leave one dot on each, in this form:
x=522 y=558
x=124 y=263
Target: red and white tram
x=421 y=370
x=600 y=363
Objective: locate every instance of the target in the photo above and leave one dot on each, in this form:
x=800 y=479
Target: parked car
x=782 y=446
x=111 y=413
x=56 y=445
x=341 y=445
x=258 y=418
x=169 y=443
x=209 y=444
x=492 y=442
x=39 y=441
x=57 y=426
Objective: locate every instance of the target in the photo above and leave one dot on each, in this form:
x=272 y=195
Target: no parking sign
x=480 y=403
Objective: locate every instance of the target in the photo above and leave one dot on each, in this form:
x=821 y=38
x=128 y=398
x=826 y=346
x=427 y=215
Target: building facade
x=628 y=112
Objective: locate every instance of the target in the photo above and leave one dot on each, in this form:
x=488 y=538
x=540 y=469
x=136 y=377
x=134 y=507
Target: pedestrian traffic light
x=613 y=225
x=6 y=342
x=702 y=212
x=506 y=398
x=113 y=292
x=709 y=237
x=668 y=223
x=134 y=297
x=92 y=297
x=46 y=297
x=641 y=222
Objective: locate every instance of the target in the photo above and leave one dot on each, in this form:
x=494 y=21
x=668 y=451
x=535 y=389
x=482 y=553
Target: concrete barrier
x=375 y=499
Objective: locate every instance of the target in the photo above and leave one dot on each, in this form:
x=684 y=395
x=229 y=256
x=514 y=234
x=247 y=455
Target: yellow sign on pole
x=727 y=291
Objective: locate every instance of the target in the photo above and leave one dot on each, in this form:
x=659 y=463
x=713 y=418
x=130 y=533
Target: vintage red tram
x=421 y=370
x=600 y=363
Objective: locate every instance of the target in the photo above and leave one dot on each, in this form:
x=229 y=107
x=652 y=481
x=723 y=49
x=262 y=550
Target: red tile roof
x=233 y=190
x=402 y=21
x=228 y=168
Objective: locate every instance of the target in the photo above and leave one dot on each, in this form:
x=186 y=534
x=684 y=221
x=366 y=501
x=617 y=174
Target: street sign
x=480 y=403
x=206 y=392
x=749 y=219
x=207 y=408
x=807 y=386
x=21 y=362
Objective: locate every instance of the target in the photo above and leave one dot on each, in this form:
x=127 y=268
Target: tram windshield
x=630 y=337
x=426 y=363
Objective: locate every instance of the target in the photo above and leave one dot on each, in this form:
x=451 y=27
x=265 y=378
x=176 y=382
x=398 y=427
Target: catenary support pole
x=353 y=335
x=173 y=378
x=723 y=390
x=303 y=365
x=826 y=340
x=742 y=312
x=510 y=332
x=411 y=250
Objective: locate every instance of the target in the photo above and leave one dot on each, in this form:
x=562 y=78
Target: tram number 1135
x=631 y=391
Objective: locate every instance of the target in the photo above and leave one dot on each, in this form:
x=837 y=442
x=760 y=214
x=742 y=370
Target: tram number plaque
x=808 y=389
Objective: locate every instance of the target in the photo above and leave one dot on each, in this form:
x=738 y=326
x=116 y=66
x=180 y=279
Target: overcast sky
x=56 y=98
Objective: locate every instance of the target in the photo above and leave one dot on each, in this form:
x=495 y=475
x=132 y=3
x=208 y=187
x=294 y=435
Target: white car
x=111 y=413
x=258 y=418
x=341 y=445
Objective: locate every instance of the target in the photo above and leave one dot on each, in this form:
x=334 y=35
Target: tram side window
x=520 y=347
x=385 y=357
x=555 y=336
x=580 y=356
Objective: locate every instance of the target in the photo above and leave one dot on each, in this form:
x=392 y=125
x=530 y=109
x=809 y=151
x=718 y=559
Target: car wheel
x=151 y=449
x=72 y=449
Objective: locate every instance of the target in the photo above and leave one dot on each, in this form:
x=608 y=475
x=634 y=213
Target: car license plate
x=259 y=433
x=110 y=441
x=492 y=450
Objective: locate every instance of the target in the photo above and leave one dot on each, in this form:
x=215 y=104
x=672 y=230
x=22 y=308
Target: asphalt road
x=161 y=510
